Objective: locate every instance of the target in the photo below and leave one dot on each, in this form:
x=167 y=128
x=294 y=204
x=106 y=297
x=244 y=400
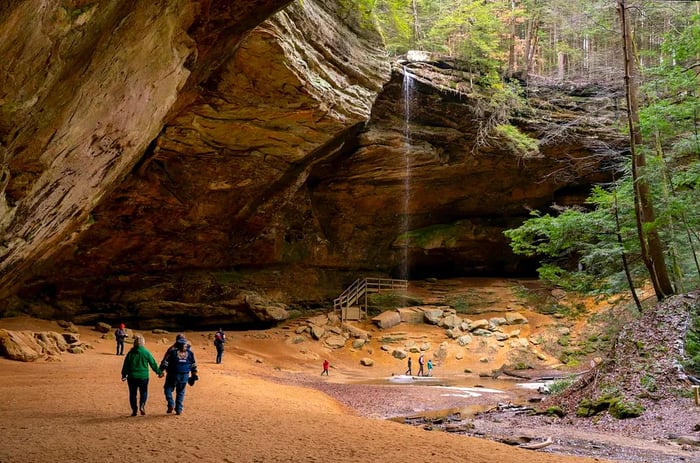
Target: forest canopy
x=554 y=38
x=646 y=224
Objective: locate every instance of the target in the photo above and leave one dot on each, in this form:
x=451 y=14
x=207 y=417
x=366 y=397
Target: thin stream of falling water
x=405 y=222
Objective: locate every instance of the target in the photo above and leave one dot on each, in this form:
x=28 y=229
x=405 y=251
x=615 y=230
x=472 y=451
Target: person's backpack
x=218 y=339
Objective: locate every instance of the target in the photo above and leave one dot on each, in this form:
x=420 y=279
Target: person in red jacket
x=325 y=368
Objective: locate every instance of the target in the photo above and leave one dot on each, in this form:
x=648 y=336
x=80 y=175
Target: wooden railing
x=356 y=294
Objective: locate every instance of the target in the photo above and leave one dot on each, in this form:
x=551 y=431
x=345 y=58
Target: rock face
x=193 y=166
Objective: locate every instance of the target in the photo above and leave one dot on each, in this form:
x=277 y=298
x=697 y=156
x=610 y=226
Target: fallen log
x=537 y=445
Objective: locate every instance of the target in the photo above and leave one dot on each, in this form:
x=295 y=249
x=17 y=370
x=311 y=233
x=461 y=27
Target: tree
x=651 y=246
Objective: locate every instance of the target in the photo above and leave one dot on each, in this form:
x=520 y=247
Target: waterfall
x=407 y=86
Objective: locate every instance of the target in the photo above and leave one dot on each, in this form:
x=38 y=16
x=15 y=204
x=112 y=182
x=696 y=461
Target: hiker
x=219 y=341
x=408 y=371
x=325 y=367
x=135 y=373
x=169 y=377
x=430 y=367
x=181 y=367
x=173 y=347
x=421 y=362
x=120 y=335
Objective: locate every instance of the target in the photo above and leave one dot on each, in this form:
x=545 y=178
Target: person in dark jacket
x=421 y=362
x=120 y=334
x=135 y=372
x=219 y=341
x=172 y=348
x=181 y=367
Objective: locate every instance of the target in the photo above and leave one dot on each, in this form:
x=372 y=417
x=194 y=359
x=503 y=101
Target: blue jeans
x=219 y=353
x=120 y=347
x=177 y=382
x=137 y=385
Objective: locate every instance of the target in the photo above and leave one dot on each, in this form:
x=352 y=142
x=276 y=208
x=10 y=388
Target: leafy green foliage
x=516 y=141
x=580 y=247
x=692 y=347
x=560 y=385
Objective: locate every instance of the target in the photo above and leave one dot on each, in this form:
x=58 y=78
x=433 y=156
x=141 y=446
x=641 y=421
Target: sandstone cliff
x=170 y=162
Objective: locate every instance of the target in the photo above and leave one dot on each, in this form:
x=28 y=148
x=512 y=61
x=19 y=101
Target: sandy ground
x=243 y=410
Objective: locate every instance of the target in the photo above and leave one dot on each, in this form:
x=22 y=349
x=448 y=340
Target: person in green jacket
x=135 y=373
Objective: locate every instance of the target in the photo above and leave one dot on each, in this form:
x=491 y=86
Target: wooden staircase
x=352 y=303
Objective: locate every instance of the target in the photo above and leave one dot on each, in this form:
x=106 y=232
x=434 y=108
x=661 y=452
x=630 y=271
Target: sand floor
x=77 y=410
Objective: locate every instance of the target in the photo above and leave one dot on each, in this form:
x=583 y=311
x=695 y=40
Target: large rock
x=387 y=319
x=225 y=126
x=273 y=153
x=27 y=346
x=19 y=345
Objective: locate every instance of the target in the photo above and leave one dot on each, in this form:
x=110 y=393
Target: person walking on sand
x=325 y=367
x=169 y=377
x=409 y=370
x=219 y=341
x=135 y=372
x=120 y=335
x=181 y=367
x=421 y=362
x=430 y=367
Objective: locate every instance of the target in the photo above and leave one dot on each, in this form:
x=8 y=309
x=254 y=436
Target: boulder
x=433 y=316
x=450 y=321
x=387 y=319
x=19 y=345
x=411 y=314
x=103 y=327
x=317 y=332
x=318 y=320
x=464 y=340
x=515 y=318
x=27 y=346
x=479 y=324
x=356 y=332
x=335 y=341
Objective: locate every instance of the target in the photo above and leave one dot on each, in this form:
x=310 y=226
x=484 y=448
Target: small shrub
x=519 y=143
x=649 y=383
x=621 y=409
x=559 y=385
x=590 y=407
x=555 y=411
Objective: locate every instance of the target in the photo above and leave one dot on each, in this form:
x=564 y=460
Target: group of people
x=421 y=365
x=178 y=366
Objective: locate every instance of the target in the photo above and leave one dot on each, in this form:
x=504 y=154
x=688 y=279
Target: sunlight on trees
x=559 y=40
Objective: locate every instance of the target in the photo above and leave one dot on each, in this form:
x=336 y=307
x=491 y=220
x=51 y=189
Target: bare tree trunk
x=625 y=264
x=649 y=241
x=529 y=39
x=560 y=65
x=534 y=43
x=511 y=50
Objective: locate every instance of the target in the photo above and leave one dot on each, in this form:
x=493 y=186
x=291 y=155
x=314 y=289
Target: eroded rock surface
x=166 y=163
